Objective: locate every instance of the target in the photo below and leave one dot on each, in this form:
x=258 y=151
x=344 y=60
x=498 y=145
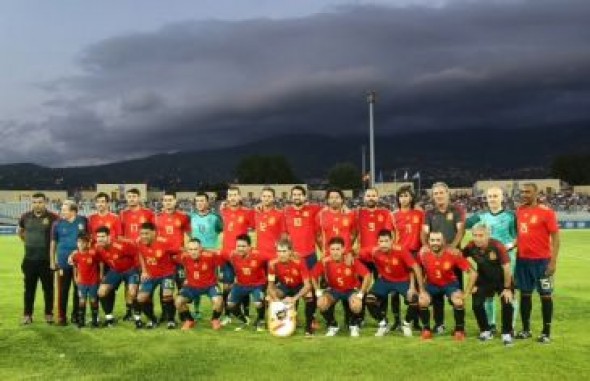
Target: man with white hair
x=502 y=225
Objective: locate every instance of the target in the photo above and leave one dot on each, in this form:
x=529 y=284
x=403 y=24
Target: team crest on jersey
x=80 y=227
x=295 y=272
x=380 y=218
x=108 y=225
x=158 y=253
x=241 y=219
x=89 y=260
x=204 y=267
x=416 y=220
x=345 y=222
x=253 y=263
x=394 y=261
x=449 y=216
x=347 y=272
x=115 y=257
x=306 y=214
x=446 y=265
x=271 y=221
x=533 y=219
x=141 y=220
x=492 y=255
x=46 y=221
x=177 y=223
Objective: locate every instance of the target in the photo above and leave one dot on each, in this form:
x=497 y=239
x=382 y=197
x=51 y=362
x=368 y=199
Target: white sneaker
x=382 y=330
x=355 y=331
x=507 y=340
x=407 y=329
x=485 y=336
x=225 y=320
x=332 y=331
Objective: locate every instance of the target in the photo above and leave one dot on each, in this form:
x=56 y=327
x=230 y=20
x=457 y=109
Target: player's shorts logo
x=282 y=319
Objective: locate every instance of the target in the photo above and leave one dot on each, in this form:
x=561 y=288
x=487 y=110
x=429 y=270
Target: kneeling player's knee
x=323 y=303
x=457 y=301
x=180 y=302
x=231 y=305
x=217 y=303
x=102 y=292
x=143 y=297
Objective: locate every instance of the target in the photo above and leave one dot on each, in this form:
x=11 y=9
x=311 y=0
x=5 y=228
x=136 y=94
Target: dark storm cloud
x=195 y=85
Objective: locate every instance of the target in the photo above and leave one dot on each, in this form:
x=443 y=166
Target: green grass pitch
x=41 y=352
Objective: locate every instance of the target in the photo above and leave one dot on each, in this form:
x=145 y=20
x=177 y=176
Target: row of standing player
x=307 y=225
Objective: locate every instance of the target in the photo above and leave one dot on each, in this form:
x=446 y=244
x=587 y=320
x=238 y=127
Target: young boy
x=87 y=275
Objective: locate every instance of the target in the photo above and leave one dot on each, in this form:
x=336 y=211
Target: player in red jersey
x=121 y=260
x=439 y=263
x=250 y=266
x=131 y=219
x=538 y=249
x=300 y=220
x=336 y=221
x=341 y=271
x=200 y=267
x=104 y=217
x=269 y=223
x=134 y=215
x=408 y=222
x=288 y=280
x=157 y=269
x=86 y=264
x=175 y=227
x=371 y=220
x=237 y=221
x=397 y=271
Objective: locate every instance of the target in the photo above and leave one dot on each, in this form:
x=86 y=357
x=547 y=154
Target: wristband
x=360 y=295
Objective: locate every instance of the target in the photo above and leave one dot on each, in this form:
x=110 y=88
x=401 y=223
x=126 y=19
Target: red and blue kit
x=332 y=224
x=131 y=220
x=408 y=226
x=370 y=223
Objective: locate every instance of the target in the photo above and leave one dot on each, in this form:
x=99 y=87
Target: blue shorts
x=165 y=283
x=88 y=291
x=289 y=291
x=311 y=260
x=228 y=274
x=114 y=278
x=339 y=295
x=238 y=293
x=447 y=290
x=382 y=288
x=529 y=275
x=192 y=293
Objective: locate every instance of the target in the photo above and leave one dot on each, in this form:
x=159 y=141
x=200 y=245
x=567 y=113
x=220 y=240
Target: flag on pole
x=380 y=176
x=416 y=175
x=405 y=175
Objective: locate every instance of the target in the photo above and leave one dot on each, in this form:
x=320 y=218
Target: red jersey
x=157 y=258
x=250 y=269
x=119 y=256
x=439 y=269
x=332 y=224
x=535 y=226
x=173 y=226
x=290 y=274
x=408 y=225
x=301 y=227
x=370 y=222
x=235 y=222
x=131 y=221
x=109 y=220
x=340 y=276
x=270 y=225
x=201 y=272
x=394 y=265
x=87 y=264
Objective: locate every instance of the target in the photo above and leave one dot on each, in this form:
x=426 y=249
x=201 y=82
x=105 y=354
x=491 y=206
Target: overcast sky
x=92 y=82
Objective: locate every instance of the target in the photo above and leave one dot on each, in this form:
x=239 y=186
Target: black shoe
x=109 y=323
x=74 y=319
x=523 y=335
x=80 y=324
x=493 y=329
x=139 y=324
x=171 y=324
x=152 y=324
x=128 y=316
x=395 y=326
x=544 y=339
x=94 y=324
